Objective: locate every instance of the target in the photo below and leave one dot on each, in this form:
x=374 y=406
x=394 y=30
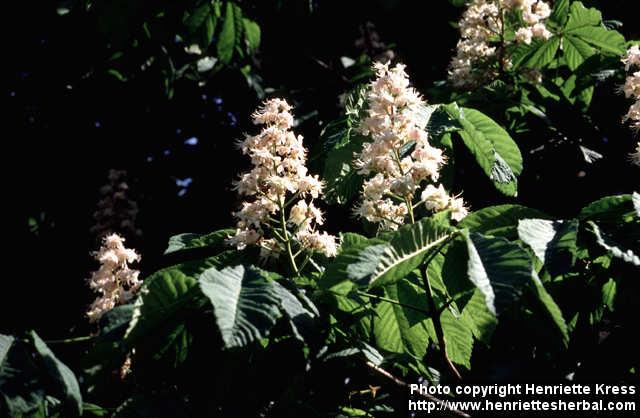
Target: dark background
x=70 y=122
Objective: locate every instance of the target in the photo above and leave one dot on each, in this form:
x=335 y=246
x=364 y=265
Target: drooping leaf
x=494 y=150
x=245 y=303
x=406 y=250
x=498 y=268
x=230 y=37
x=553 y=242
x=499 y=220
x=343 y=181
x=65 y=382
x=300 y=318
x=612 y=247
x=458 y=337
x=252 y=35
x=551 y=308
x=478 y=318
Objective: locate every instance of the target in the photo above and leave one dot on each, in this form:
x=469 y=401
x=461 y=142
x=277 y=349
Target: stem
x=71 y=340
x=437 y=324
x=393 y=301
x=410 y=207
x=403 y=384
x=287 y=241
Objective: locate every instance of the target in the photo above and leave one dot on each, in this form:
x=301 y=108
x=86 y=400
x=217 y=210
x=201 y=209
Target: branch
x=404 y=384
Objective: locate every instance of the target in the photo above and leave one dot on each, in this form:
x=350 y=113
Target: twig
x=404 y=384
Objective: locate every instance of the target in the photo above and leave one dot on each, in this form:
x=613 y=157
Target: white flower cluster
x=482 y=29
x=279 y=169
x=631 y=86
x=399 y=155
x=115 y=282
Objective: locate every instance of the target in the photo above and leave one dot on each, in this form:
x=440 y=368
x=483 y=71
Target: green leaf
x=576 y=51
x=478 y=318
x=400 y=329
x=551 y=308
x=113 y=324
x=560 y=12
x=494 y=150
x=197 y=18
x=229 y=40
x=553 y=242
x=21 y=387
x=342 y=179
x=66 y=384
x=498 y=268
x=406 y=250
x=251 y=34
x=586 y=24
x=336 y=272
x=300 y=318
x=458 y=337
x=542 y=53
x=501 y=220
x=5 y=345
x=245 y=303
x=613 y=248
x=189 y=241
x=609 y=291
x=162 y=299
x=611 y=209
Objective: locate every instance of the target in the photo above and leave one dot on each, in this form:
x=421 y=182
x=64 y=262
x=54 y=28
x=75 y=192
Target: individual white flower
x=114 y=281
x=457 y=208
x=539 y=30
x=270 y=249
x=205 y=64
x=435 y=198
x=631 y=58
x=321 y=242
x=193 y=49
x=524 y=35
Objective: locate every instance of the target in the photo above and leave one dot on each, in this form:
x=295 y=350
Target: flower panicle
x=483 y=22
x=279 y=179
x=114 y=281
x=394 y=125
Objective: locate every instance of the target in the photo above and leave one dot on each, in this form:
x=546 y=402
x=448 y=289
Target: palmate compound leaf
x=553 y=242
x=245 y=303
x=408 y=247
